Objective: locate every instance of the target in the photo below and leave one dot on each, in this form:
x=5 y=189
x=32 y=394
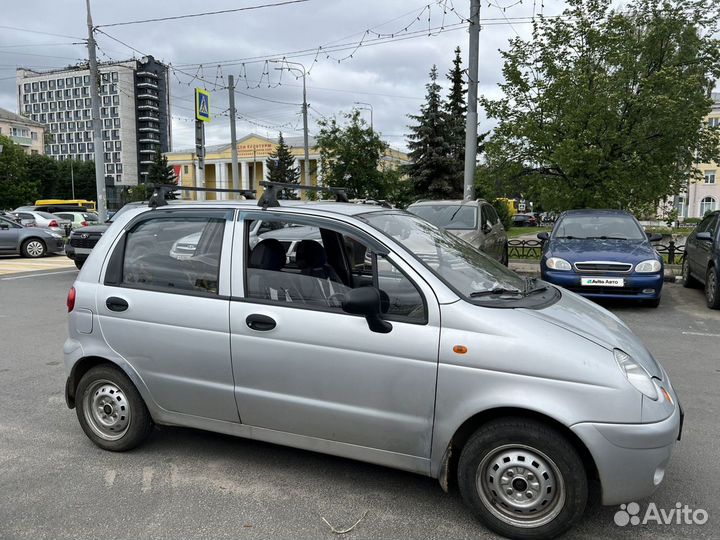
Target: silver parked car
x=476 y=222
x=45 y=220
x=30 y=242
x=386 y=339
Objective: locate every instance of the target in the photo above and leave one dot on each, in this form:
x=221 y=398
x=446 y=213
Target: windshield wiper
x=606 y=238
x=496 y=291
x=569 y=237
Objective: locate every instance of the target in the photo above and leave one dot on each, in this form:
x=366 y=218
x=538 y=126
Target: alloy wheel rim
x=35 y=248
x=520 y=486
x=107 y=410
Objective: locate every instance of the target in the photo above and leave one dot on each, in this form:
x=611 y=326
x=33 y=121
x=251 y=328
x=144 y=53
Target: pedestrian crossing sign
x=202 y=105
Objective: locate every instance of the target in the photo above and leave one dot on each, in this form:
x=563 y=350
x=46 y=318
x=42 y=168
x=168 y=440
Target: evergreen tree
x=159 y=171
x=454 y=112
x=431 y=170
x=16 y=187
x=281 y=168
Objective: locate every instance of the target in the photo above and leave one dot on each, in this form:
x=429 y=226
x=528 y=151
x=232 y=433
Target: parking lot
x=54 y=483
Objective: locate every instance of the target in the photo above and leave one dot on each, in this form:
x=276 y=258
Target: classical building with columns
x=253 y=151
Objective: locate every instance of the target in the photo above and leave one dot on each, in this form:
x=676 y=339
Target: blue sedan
x=602 y=254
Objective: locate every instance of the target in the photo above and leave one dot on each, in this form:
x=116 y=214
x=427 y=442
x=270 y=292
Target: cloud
x=391 y=76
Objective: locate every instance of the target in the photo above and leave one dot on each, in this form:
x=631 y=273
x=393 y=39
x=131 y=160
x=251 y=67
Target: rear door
x=310 y=369
x=167 y=313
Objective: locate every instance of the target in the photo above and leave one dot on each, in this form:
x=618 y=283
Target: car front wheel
x=33 y=248
x=523 y=479
x=712 y=288
x=110 y=410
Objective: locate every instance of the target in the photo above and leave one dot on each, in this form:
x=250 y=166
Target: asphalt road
x=184 y=483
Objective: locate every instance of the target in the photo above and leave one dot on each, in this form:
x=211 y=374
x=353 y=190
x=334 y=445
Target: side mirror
x=704 y=236
x=366 y=301
x=4 y=226
x=654 y=237
x=543 y=236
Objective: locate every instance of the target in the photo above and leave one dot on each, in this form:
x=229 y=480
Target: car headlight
x=556 y=263
x=646 y=267
x=55 y=235
x=636 y=374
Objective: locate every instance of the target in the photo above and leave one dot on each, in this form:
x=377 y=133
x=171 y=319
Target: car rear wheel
x=522 y=479
x=111 y=411
x=712 y=288
x=689 y=282
x=33 y=248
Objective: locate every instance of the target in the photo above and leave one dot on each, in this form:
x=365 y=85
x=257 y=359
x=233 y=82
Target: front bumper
x=632 y=288
x=55 y=245
x=630 y=458
x=76 y=253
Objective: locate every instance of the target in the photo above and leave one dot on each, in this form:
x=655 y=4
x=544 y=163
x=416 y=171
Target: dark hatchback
x=602 y=254
x=701 y=262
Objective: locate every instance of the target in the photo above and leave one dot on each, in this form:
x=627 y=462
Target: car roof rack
x=269 y=197
x=161 y=192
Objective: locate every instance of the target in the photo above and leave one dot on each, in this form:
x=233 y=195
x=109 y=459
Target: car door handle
x=261 y=323
x=116 y=304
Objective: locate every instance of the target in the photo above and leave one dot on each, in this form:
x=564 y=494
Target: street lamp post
x=368 y=107
x=303 y=71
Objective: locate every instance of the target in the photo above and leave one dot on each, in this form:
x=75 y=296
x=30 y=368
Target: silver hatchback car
x=388 y=341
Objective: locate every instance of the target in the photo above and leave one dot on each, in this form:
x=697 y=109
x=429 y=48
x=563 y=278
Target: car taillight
x=71 y=299
x=83 y=223
x=53 y=223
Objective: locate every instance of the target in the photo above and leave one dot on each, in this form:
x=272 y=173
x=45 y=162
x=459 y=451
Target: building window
x=186 y=169
x=118 y=145
x=709 y=177
x=51 y=84
x=35 y=87
x=26 y=87
x=714 y=122
x=114 y=76
x=86 y=79
x=113 y=111
x=118 y=167
x=116 y=122
x=707 y=205
x=116 y=100
x=116 y=157
x=33 y=135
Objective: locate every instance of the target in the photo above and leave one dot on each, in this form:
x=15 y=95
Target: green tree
x=454 y=111
x=281 y=167
x=431 y=167
x=604 y=107
x=350 y=156
x=16 y=188
x=159 y=171
x=45 y=171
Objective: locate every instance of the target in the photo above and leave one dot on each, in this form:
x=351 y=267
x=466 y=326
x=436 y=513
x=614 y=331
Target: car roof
x=439 y=202
x=596 y=212
x=319 y=207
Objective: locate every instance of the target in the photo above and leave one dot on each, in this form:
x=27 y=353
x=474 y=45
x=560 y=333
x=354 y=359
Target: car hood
x=101 y=228
x=586 y=319
x=631 y=251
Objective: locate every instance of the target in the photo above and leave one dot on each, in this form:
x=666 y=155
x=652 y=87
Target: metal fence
x=532 y=249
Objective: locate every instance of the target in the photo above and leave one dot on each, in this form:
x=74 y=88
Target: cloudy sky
x=391 y=76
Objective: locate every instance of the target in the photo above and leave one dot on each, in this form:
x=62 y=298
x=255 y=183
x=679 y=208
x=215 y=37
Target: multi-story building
x=134 y=111
x=23 y=131
x=703 y=195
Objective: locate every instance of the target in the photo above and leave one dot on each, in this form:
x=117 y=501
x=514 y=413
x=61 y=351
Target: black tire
x=689 y=282
x=546 y=451
x=110 y=382
x=505 y=259
x=33 y=248
x=712 y=288
x=79 y=264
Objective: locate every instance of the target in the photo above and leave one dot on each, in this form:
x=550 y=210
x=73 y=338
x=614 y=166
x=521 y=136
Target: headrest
x=310 y=254
x=268 y=255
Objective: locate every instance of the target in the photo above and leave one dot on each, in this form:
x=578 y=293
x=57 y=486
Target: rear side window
x=170 y=254
x=709 y=224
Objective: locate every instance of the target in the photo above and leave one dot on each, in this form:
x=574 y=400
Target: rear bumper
x=631 y=458
x=632 y=289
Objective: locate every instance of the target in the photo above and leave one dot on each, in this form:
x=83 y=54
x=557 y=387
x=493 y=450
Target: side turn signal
x=460 y=349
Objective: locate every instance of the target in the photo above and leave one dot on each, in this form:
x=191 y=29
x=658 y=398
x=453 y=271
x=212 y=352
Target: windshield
x=470 y=272
x=599 y=226
x=447 y=216
x=90 y=217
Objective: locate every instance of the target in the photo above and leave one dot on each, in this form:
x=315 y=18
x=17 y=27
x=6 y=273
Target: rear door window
x=171 y=254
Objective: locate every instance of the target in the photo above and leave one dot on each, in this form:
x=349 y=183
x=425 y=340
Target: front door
x=8 y=235
x=700 y=250
x=303 y=366
x=163 y=306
